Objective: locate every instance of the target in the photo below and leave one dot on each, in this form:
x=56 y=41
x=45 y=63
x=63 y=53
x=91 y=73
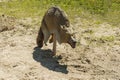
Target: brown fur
x=54 y=24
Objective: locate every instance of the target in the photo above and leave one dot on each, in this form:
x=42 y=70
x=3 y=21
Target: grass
x=21 y=9
x=107 y=10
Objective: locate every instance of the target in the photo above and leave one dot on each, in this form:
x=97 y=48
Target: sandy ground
x=92 y=59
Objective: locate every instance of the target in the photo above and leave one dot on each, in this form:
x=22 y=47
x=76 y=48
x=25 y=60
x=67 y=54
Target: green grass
x=21 y=9
x=108 y=10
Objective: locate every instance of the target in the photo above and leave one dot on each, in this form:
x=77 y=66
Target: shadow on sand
x=47 y=60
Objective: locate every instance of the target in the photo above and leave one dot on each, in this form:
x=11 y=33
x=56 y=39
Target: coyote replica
x=55 y=24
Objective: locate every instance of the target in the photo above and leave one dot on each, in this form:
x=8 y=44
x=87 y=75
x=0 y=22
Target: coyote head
x=67 y=37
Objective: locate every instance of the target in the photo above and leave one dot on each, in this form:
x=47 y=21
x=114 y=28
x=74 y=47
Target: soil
x=92 y=59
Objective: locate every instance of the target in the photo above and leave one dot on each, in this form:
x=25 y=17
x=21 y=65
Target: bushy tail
x=40 y=38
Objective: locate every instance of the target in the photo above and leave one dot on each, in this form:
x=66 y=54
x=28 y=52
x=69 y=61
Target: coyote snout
x=55 y=23
x=72 y=43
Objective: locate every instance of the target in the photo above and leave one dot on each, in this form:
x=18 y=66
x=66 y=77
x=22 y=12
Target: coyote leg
x=54 y=44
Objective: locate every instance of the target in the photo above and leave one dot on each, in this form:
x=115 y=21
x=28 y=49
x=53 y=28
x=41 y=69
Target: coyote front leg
x=54 y=44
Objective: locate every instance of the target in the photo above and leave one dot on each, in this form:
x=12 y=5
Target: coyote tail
x=40 y=38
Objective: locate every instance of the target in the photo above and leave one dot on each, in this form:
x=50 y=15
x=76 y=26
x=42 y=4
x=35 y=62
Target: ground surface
x=95 y=57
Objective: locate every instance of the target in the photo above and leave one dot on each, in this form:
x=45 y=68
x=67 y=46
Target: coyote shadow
x=47 y=60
